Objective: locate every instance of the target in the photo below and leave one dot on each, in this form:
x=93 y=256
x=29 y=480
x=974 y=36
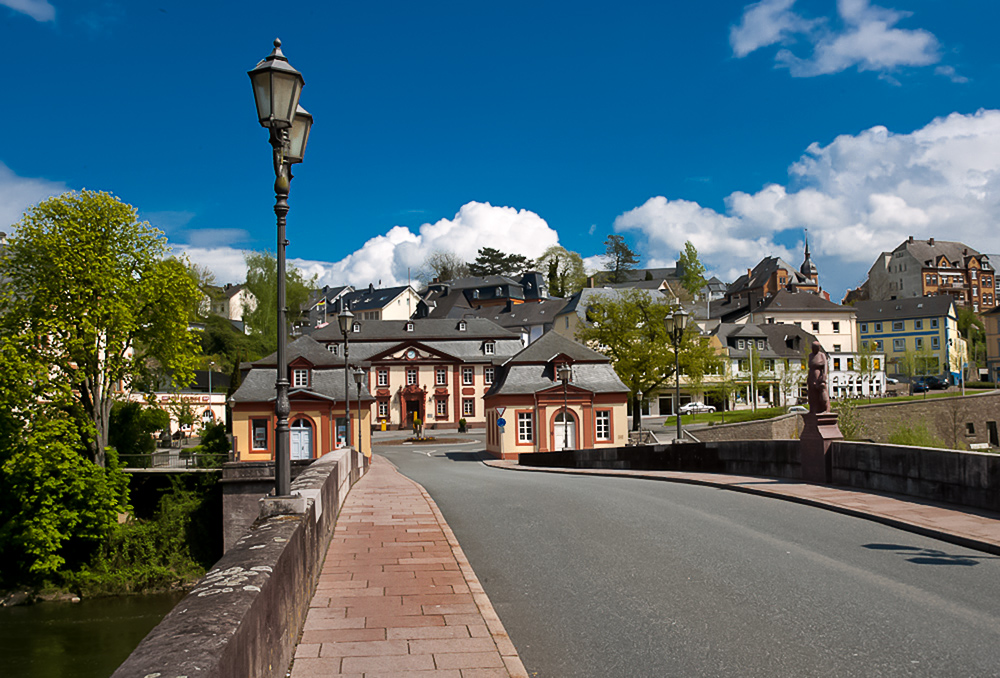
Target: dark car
x=919 y=386
x=936 y=383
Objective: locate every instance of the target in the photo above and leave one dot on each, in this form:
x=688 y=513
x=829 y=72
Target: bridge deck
x=397 y=593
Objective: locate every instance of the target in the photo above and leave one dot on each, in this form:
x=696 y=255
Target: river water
x=77 y=640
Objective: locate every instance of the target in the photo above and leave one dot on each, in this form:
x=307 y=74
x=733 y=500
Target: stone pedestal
x=818 y=432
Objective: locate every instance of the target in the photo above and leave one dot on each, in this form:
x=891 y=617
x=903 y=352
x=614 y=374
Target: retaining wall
x=243 y=618
x=786 y=426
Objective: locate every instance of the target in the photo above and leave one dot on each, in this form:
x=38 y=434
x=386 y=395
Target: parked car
x=936 y=383
x=920 y=386
x=695 y=407
x=798 y=408
x=891 y=380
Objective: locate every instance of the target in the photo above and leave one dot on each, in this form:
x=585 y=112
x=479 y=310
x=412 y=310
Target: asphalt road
x=625 y=577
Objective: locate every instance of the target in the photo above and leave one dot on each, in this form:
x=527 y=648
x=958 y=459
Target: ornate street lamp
x=276 y=90
x=565 y=376
x=675 y=325
x=359 y=378
x=346 y=321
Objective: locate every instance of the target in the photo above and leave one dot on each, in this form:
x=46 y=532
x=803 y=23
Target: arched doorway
x=564 y=431
x=300 y=443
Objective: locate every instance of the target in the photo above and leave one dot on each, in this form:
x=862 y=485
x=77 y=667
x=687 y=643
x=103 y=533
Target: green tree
x=698 y=358
x=620 y=259
x=793 y=375
x=971 y=327
x=109 y=309
x=262 y=283
x=442 y=265
x=564 y=271
x=130 y=430
x=628 y=328
x=866 y=365
x=227 y=346
x=692 y=270
x=494 y=262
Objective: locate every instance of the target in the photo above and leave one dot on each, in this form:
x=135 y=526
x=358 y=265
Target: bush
x=917 y=435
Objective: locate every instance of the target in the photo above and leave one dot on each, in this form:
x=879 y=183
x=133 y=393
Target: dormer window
x=462 y=325
x=300 y=377
x=740 y=344
x=332 y=348
x=356 y=328
x=489 y=348
x=409 y=327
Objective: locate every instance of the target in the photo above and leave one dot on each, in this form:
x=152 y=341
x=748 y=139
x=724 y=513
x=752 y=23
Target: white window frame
x=898 y=345
x=441 y=376
x=468 y=376
x=602 y=425
x=300 y=377
x=468 y=407
x=488 y=375
x=258 y=425
x=525 y=427
x=382 y=376
x=489 y=348
x=441 y=408
x=383 y=410
x=412 y=376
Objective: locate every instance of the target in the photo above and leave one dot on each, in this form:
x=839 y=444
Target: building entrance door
x=565 y=432
x=300 y=440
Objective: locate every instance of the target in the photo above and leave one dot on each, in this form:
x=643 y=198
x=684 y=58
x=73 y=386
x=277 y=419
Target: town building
x=991 y=323
x=378 y=303
x=773 y=275
x=322 y=302
x=919 y=336
x=541 y=413
x=435 y=370
x=229 y=301
x=456 y=298
x=918 y=268
x=531 y=321
x=323 y=417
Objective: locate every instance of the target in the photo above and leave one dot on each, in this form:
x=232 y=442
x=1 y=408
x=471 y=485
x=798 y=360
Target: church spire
x=808 y=268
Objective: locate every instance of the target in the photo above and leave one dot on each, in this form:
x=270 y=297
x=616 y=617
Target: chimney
x=749 y=271
x=910 y=240
x=931 y=242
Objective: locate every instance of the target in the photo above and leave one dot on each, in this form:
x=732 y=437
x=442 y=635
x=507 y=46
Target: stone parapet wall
x=947 y=418
x=786 y=426
x=243 y=618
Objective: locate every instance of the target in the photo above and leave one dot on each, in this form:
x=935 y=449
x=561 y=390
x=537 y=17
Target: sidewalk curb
x=511 y=660
x=950 y=537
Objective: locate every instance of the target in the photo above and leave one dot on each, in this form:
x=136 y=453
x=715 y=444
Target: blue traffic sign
x=501 y=422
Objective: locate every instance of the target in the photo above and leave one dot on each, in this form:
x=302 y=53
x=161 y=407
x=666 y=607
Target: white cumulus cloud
x=39 y=10
x=19 y=193
x=857 y=196
x=865 y=38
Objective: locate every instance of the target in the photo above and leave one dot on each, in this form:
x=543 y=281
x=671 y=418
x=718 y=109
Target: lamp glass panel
x=262 y=94
x=285 y=90
x=668 y=323
x=682 y=319
x=299 y=136
x=344 y=320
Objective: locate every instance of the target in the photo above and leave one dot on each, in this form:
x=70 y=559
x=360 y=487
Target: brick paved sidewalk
x=972 y=528
x=397 y=596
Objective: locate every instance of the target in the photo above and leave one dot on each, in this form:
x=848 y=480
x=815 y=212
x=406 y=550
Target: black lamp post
x=565 y=376
x=346 y=321
x=359 y=377
x=676 y=324
x=276 y=90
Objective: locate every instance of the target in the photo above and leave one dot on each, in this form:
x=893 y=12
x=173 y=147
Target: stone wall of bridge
x=243 y=618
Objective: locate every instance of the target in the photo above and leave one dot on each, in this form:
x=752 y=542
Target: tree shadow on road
x=924 y=556
x=465 y=456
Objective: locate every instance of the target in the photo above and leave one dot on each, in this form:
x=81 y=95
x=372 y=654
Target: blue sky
x=517 y=125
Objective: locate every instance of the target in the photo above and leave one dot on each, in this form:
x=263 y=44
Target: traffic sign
x=500 y=411
x=501 y=422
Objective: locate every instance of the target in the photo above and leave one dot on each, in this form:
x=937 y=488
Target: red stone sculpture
x=816 y=388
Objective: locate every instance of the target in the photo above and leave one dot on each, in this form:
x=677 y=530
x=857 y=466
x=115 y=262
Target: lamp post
x=346 y=321
x=211 y=365
x=276 y=90
x=565 y=376
x=359 y=377
x=675 y=324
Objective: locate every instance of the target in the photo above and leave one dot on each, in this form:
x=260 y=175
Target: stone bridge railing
x=243 y=618
x=970 y=479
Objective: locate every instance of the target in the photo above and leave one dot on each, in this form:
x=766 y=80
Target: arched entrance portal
x=301 y=439
x=564 y=431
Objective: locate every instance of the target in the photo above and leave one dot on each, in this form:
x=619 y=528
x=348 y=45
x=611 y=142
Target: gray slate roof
x=328 y=384
x=799 y=301
x=532 y=369
x=911 y=307
x=926 y=253
x=303 y=347
x=423 y=329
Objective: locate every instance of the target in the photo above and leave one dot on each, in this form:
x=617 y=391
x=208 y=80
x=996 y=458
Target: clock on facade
x=411 y=354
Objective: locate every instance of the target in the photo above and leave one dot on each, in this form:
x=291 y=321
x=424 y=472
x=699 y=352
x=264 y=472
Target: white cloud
x=766 y=23
x=39 y=10
x=18 y=194
x=858 y=196
x=390 y=257
x=867 y=39
x=950 y=73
